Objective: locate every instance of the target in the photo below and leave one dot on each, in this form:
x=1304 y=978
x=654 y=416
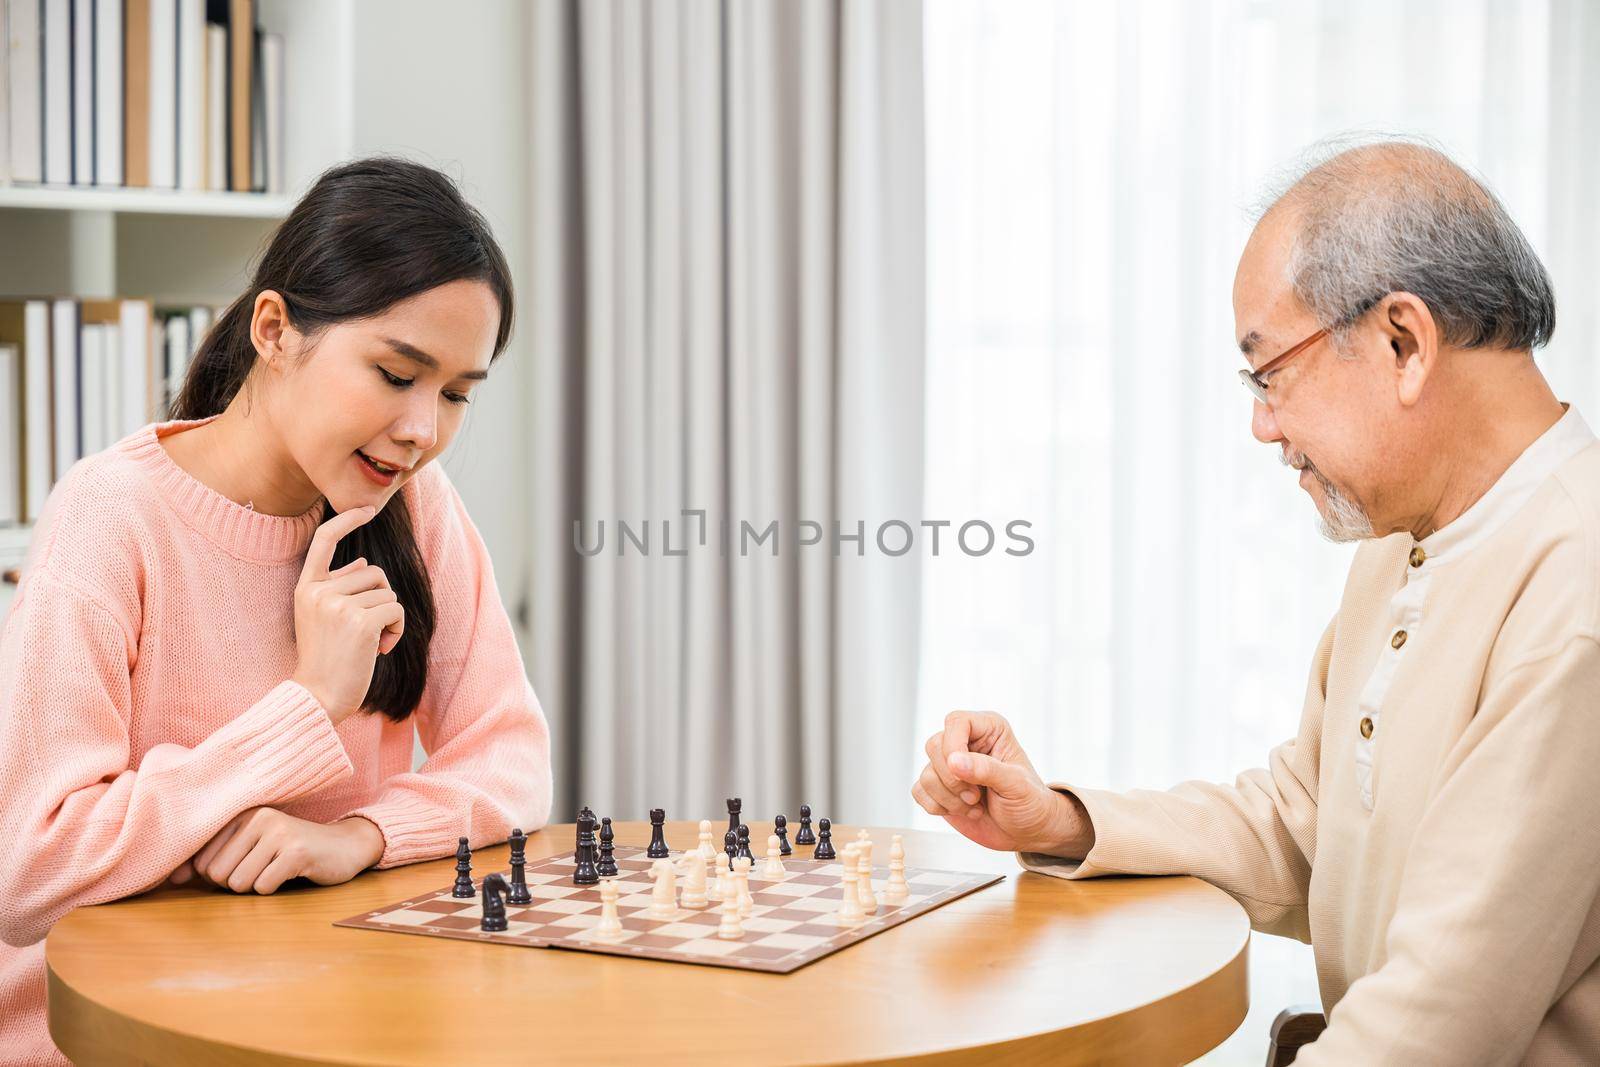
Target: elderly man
x=1434 y=827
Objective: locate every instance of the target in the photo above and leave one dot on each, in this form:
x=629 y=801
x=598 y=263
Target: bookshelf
x=144 y=201
x=446 y=84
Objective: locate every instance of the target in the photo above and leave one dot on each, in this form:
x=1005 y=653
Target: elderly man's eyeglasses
x=1257 y=381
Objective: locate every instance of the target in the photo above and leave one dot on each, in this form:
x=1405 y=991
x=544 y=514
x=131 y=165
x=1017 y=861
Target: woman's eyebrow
x=417 y=355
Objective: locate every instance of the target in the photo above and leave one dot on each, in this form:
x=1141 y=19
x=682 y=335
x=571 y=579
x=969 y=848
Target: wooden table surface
x=1033 y=969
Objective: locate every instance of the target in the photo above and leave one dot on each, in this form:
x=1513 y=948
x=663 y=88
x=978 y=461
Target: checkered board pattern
x=791 y=923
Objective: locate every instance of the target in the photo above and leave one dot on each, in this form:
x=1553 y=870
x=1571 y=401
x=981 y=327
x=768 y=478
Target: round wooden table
x=1033 y=969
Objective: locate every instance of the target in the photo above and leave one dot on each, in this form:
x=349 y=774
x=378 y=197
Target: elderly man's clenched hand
x=979 y=779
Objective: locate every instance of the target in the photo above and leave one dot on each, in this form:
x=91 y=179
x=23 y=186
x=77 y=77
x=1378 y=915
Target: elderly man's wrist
x=1072 y=831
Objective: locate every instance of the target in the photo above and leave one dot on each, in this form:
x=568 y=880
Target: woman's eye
x=457 y=398
x=399 y=383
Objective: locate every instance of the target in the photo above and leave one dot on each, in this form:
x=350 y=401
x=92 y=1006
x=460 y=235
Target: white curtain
x=1089 y=167
x=726 y=313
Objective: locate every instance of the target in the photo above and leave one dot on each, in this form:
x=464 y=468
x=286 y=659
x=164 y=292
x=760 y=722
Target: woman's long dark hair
x=368 y=234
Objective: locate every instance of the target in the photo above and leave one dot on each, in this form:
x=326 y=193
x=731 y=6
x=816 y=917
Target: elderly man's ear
x=1408 y=329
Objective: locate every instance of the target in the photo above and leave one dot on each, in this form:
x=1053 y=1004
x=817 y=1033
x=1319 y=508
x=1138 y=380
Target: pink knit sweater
x=145 y=701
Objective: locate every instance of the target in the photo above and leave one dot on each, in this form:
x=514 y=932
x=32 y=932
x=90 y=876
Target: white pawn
x=719 y=885
x=897 y=890
x=610 y=926
x=869 y=899
x=772 y=870
x=705 y=848
x=694 y=881
x=849 y=897
x=731 y=928
x=741 y=877
x=664 y=897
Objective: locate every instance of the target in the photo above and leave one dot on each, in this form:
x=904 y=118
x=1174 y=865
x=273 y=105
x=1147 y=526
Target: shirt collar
x=1569 y=436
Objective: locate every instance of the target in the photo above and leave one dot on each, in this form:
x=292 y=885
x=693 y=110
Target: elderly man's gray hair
x=1399 y=216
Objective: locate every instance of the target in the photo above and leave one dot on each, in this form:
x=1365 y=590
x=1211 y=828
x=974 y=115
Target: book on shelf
x=86 y=374
x=11 y=502
x=160 y=94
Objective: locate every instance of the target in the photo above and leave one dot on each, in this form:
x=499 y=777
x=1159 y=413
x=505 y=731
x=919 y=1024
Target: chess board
x=791 y=924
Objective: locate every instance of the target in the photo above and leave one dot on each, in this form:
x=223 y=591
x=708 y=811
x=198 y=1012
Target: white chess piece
x=731 y=928
x=849 y=897
x=610 y=926
x=869 y=899
x=772 y=870
x=719 y=884
x=664 y=897
x=864 y=839
x=741 y=875
x=705 y=848
x=896 y=890
x=694 y=883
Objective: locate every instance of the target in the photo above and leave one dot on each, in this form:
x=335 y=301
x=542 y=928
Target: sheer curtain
x=1089 y=169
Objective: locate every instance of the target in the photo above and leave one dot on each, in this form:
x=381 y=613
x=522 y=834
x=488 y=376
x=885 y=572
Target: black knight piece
x=607 y=867
x=494 y=905
x=586 y=874
x=744 y=843
x=825 y=842
x=804 y=836
x=519 y=876
x=463 y=886
x=658 y=841
x=780 y=826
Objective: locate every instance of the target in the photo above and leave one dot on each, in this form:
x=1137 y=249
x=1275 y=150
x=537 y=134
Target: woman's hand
x=343 y=620
x=262 y=848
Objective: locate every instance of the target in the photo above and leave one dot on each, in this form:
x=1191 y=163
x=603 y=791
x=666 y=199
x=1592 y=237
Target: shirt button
x=1398 y=639
x=1366 y=727
x=1418 y=556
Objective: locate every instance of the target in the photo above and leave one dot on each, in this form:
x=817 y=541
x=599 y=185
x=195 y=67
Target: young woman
x=231 y=626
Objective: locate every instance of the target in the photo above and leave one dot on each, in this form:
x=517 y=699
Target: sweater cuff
x=412 y=828
x=1104 y=858
x=286 y=744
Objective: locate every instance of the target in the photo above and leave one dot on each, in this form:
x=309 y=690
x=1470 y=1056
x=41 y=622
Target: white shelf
x=14 y=542
x=145 y=201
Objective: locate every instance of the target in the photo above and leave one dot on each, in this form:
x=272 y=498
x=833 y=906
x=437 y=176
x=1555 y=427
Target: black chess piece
x=607 y=867
x=463 y=886
x=519 y=862
x=744 y=843
x=586 y=873
x=582 y=813
x=494 y=905
x=804 y=836
x=658 y=849
x=730 y=845
x=825 y=842
x=734 y=807
x=780 y=826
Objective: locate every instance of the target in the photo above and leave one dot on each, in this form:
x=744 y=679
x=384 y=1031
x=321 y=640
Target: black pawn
x=744 y=843
x=494 y=905
x=463 y=886
x=583 y=813
x=658 y=841
x=519 y=862
x=780 y=826
x=730 y=845
x=607 y=867
x=825 y=842
x=804 y=836
x=734 y=806
x=586 y=874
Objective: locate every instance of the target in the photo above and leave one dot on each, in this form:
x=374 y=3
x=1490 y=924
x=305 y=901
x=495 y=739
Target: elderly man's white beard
x=1341 y=518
